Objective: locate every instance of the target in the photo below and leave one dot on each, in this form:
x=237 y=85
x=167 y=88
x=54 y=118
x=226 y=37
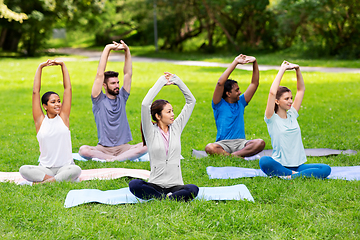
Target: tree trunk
x=212 y=16
x=10 y=39
x=2 y=36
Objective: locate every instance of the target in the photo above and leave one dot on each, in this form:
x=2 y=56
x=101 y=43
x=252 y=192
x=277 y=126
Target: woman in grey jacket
x=164 y=146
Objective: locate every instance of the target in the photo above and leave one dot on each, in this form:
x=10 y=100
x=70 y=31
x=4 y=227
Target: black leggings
x=146 y=190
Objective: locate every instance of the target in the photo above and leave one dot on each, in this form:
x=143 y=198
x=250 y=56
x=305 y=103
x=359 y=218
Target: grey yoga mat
x=310 y=152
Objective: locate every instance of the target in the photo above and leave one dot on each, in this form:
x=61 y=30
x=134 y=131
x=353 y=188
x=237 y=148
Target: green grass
x=297 y=209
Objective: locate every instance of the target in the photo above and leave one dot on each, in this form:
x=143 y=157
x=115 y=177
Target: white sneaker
x=251 y=158
x=26 y=182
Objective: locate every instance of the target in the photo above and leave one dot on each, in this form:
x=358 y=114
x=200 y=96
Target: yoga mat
x=11 y=177
x=345 y=173
x=235 y=192
x=123 y=195
x=316 y=152
x=88 y=174
x=233 y=172
x=113 y=173
x=142 y=158
x=112 y=197
x=310 y=152
x=201 y=154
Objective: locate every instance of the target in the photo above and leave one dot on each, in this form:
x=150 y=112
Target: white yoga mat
x=124 y=196
x=142 y=158
x=345 y=173
x=88 y=174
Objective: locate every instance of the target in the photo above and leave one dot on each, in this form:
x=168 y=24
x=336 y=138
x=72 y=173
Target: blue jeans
x=273 y=168
x=146 y=190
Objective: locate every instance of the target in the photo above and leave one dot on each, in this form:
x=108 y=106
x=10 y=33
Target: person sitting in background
x=109 y=111
x=228 y=105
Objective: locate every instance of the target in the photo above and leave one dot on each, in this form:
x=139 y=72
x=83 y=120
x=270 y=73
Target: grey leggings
x=37 y=173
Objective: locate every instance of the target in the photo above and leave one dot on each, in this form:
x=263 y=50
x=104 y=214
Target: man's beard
x=113 y=92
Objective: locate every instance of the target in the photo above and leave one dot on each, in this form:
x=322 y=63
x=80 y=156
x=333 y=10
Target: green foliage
x=111 y=20
x=213 y=23
x=249 y=23
x=320 y=27
x=43 y=15
x=32 y=32
x=300 y=209
x=177 y=22
x=311 y=27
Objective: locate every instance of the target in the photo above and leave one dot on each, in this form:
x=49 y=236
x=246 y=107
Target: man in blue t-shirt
x=109 y=111
x=228 y=105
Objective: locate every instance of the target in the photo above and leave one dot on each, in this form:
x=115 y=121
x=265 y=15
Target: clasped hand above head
x=289 y=66
x=243 y=59
x=168 y=76
x=118 y=46
x=50 y=62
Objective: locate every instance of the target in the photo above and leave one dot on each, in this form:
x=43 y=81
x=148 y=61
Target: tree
x=321 y=28
x=245 y=23
x=242 y=23
x=33 y=32
x=6 y=13
x=178 y=21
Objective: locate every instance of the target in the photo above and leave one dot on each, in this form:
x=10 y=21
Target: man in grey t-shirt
x=109 y=112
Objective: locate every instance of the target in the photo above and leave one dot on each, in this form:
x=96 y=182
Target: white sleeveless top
x=55 y=143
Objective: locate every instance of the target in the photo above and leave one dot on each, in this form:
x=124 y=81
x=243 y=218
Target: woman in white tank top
x=55 y=161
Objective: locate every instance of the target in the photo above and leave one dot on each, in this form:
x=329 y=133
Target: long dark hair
x=156 y=108
x=281 y=90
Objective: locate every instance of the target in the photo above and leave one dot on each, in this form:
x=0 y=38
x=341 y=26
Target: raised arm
x=38 y=114
x=146 y=104
x=190 y=101
x=127 y=68
x=219 y=89
x=300 y=89
x=274 y=88
x=66 y=104
x=99 y=79
x=250 y=91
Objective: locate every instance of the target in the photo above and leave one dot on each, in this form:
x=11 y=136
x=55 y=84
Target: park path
x=93 y=55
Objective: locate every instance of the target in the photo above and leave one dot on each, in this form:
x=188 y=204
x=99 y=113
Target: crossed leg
x=251 y=148
x=273 y=168
x=40 y=174
x=133 y=152
x=146 y=190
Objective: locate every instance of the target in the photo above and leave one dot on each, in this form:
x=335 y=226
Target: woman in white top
x=163 y=139
x=55 y=162
x=288 y=157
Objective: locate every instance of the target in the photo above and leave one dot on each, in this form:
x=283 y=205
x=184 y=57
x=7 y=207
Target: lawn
x=297 y=209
